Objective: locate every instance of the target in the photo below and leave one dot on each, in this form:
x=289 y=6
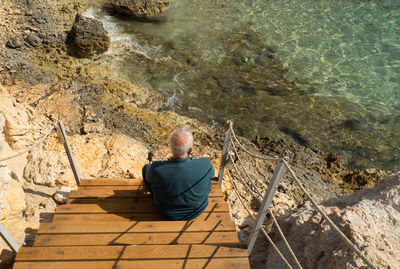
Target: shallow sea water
x=324 y=74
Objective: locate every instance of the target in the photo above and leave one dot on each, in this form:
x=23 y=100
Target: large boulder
x=139 y=8
x=370 y=219
x=88 y=37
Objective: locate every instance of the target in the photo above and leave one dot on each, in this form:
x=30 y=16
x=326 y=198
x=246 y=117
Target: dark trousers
x=145 y=179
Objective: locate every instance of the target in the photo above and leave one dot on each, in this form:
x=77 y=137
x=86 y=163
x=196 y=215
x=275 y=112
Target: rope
x=242 y=180
x=270 y=211
x=333 y=226
x=252 y=216
x=252 y=154
x=284 y=239
x=330 y=222
x=31 y=147
x=245 y=171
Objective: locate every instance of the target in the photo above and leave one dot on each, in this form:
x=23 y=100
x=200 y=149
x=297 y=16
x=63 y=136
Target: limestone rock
x=370 y=218
x=111 y=156
x=22 y=125
x=16 y=121
x=61 y=196
x=89 y=37
x=2 y=123
x=12 y=199
x=139 y=8
x=12 y=206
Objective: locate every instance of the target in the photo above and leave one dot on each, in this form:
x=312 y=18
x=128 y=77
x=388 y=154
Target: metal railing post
x=8 y=239
x=276 y=178
x=62 y=135
x=224 y=157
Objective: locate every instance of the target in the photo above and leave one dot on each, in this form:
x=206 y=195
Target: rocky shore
x=48 y=74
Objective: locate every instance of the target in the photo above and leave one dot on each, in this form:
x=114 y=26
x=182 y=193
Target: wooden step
x=140 y=205
x=121 y=192
x=213 y=224
x=209 y=263
x=127 y=252
x=117 y=182
x=125 y=217
x=154 y=238
x=110 y=182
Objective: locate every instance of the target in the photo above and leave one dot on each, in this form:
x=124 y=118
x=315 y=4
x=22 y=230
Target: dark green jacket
x=180 y=187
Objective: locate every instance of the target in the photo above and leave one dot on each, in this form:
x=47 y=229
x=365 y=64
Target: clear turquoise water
x=343 y=57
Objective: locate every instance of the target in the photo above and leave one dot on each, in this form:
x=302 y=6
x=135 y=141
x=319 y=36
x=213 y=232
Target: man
x=180 y=185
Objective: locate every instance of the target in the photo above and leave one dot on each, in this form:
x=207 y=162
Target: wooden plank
x=109 y=191
x=128 y=217
x=138 y=226
x=142 y=206
x=108 y=217
x=111 y=182
x=214 y=222
x=117 y=182
x=121 y=191
x=220 y=238
x=216 y=263
x=127 y=252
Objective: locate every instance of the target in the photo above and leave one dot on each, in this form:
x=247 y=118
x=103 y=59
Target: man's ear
x=190 y=150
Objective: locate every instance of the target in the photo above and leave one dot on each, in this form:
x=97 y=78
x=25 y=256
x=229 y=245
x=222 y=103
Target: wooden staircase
x=113 y=224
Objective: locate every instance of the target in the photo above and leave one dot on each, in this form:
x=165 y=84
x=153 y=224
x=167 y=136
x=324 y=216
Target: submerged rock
x=88 y=37
x=139 y=8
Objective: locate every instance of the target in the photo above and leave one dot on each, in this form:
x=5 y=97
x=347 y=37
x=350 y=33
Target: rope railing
x=259 y=200
x=254 y=218
x=36 y=144
x=62 y=136
x=235 y=143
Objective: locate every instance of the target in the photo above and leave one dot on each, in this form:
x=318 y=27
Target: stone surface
x=139 y=8
x=370 y=218
x=89 y=37
x=12 y=206
x=61 y=196
x=14 y=43
x=112 y=156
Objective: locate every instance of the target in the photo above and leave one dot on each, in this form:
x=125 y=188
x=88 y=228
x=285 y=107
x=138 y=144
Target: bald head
x=181 y=142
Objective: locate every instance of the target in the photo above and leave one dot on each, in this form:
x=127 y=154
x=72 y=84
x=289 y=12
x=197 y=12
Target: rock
x=12 y=199
x=33 y=40
x=363 y=179
x=61 y=196
x=2 y=123
x=139 y=8
x=22 y=125
x=14 y=43
x=88 y=37
x=370 y=218
x=12 y=206
x=111 y=156
x=29 y=212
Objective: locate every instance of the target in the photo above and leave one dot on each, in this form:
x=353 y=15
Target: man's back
x=180 y=187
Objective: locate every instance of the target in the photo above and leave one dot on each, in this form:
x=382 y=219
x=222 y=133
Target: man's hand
x=150 y=156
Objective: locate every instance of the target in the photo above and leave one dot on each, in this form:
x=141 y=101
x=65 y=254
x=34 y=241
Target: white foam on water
x=118 y=37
